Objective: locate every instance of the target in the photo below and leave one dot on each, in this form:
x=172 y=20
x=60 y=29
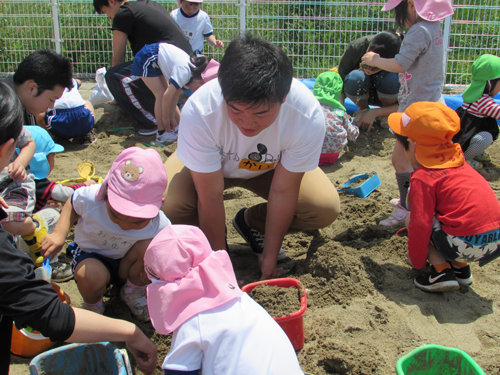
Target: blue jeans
x=360 y=86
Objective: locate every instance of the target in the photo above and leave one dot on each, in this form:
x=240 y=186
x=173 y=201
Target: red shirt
x=461 y=199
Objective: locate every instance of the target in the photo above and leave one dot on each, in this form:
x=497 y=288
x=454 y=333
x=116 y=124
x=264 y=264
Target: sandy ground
x=363 y=309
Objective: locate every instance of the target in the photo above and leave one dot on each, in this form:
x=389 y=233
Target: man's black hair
x=254 y=71
x=11 y=114
x=386 y=44
x=47 y=68
x=98 y=4
x=403 y=140
x=401 y=14
x=199 y=63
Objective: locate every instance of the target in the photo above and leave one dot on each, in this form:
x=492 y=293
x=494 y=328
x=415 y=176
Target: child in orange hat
x=455 y=215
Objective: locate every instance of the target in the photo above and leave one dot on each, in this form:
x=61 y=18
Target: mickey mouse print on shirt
x=258 y=161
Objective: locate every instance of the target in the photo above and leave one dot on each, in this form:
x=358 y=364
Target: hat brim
x=474 y=91
x=391 y=4
x=211 y=71
x=440 y=157
x=128 y=208
x=395 y=123
x=56 y=148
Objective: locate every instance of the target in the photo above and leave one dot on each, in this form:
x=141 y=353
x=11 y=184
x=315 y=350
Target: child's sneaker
x=252 y=237
x=443 y=281
x=98 y=307
x=475 y=164
x=33 y=240
x=166 y=137
x=136 y=300
x=89 y=139
x=61 y=272
x=397 y=217
x=148 y=131
x=462 y=274
x=483 y=156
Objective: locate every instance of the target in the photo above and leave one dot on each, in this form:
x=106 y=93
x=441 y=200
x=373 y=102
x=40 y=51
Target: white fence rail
x=314 y=33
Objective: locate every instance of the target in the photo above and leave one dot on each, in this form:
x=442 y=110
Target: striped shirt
x=485 y=106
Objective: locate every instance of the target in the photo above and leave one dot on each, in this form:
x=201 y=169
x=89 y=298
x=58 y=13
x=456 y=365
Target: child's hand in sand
x=17 y=171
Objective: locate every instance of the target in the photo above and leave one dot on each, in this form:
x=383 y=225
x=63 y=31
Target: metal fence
x=314 y=33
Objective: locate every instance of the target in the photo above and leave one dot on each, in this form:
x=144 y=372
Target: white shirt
x=195 y=27
x=174 y=64
x=239 y=337
x=210 y=141
x=70 y=98
x=95 y=232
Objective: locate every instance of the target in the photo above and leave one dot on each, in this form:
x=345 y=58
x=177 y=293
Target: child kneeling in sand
x=195 y=295
x=454 y=213
x=116 y=222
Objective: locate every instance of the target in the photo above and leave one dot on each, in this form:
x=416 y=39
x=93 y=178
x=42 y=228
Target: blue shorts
x=360 y=86
x=74 y=252
x=146 y=62
x=483 y=247
x=67 y=123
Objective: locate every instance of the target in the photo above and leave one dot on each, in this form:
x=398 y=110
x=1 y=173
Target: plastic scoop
x=86 y=169
x=44 y=272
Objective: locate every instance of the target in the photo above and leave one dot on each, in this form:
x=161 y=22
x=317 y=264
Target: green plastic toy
x=437 y=360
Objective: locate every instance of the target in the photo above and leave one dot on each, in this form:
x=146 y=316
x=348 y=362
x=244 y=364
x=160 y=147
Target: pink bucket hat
x=430 y=10
x=187 y=277
x=211 y=71
x=135 y=183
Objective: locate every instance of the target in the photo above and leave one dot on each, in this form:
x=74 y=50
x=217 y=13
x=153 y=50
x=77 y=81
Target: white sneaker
x=397 y=217
x=166 y=137
x=136 y=300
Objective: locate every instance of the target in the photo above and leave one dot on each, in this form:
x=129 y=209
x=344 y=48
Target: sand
x=363 y=309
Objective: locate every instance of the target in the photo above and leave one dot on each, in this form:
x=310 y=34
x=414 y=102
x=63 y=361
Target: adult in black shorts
x=141 y=23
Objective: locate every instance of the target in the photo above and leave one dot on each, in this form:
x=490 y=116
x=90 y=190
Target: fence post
x=242 y=16
x=55 y=21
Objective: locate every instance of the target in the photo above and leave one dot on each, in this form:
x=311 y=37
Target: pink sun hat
x=187 y=277
x=430 y=10
x=211 y=71
x=135 y=183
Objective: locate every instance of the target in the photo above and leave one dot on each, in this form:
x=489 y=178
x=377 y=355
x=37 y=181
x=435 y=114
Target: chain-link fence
x=314 y=33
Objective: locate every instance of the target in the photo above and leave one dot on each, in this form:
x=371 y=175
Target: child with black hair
x=479 y=112
x=421 y=68
x=366 y=85
x=455 y=214
x=167 y=70
x=33 y=302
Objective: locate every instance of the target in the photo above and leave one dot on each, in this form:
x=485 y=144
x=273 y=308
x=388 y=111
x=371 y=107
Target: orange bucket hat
x=431 y=126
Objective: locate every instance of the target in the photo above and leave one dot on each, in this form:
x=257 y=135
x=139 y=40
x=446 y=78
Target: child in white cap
x=195 y=24
x=116 y=222
x=195 y=295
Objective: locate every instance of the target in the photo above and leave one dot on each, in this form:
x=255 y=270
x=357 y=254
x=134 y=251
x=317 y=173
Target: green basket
x=437 y=360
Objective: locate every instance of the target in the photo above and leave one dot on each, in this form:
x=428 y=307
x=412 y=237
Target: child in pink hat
x=216 y=327
x=421 y=68
x=116 y=222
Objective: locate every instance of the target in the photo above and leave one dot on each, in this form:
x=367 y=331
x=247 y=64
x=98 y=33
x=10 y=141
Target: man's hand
x=17 y=171
x=145 y=353
x=269 y=268
x=367 y=120
x=52 y=244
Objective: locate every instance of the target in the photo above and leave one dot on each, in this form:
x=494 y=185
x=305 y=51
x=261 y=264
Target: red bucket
x=292 y=324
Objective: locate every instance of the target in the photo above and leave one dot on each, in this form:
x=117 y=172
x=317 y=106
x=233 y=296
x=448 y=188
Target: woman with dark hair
x=366 y=85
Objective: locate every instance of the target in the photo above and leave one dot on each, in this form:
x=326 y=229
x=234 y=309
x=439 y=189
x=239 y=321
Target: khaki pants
x=318 y=205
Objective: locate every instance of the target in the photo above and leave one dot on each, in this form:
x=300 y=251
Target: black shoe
x=462 y=274
x=444 y=281
x=148 y=131
x=252 y=237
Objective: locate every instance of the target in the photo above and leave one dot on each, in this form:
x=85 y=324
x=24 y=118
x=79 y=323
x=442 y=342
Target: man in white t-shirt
x=256 y=128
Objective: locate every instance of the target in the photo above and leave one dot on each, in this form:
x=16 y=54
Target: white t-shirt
x=195 y=27
x=95 y=232
x=239 y=337
x=209 y=140
x=174 y=64
x=70 y=98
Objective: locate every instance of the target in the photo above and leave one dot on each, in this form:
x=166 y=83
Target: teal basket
x=437 y=360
